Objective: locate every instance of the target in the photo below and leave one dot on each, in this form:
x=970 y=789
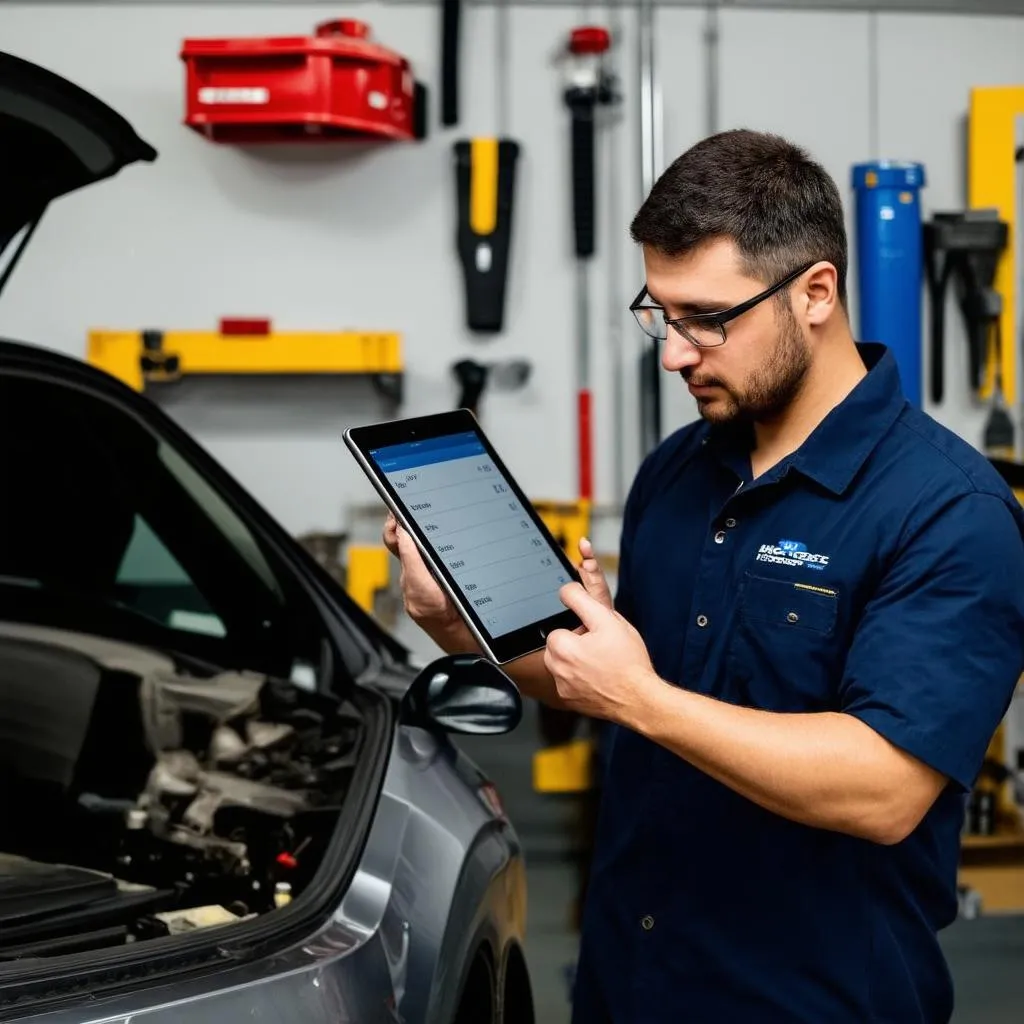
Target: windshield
x=106 y=526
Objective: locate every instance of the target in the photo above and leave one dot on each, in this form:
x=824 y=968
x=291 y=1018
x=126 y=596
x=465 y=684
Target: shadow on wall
x=320 y=180
x=249 y=407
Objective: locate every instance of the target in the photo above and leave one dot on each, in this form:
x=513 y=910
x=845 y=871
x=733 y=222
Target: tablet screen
x=469 y=514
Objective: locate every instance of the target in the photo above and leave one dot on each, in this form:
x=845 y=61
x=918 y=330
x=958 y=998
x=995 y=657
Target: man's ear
x=820 y=294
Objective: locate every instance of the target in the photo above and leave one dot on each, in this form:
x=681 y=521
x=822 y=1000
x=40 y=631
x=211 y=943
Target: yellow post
x=992 y=184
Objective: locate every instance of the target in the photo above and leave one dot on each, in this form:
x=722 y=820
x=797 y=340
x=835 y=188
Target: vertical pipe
x=711 y=37
x=650 y=163
x=614 y=289
x=502 y=43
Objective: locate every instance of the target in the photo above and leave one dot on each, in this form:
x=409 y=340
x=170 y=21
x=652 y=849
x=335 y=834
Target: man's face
x=761 y=367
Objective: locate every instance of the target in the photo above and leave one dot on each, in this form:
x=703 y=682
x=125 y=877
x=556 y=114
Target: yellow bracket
x=992 y=184
x=567 y=768
x=367 y=573
x=139 y=358
x=568 y=521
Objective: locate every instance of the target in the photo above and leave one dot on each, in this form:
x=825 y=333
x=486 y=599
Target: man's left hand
x=603 y=671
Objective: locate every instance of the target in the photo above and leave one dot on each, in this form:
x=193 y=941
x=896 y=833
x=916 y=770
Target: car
x=227 y=792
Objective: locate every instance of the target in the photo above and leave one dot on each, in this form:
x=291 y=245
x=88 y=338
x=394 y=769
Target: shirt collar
x=838 y=447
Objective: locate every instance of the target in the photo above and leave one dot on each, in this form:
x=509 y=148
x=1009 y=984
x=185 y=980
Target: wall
x=335 y=238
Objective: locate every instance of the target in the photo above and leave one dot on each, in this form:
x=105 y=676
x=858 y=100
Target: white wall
x=331 y=238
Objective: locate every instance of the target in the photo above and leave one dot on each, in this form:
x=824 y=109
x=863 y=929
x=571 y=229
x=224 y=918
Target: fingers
x=390 y=534
x=589 y=610
x=593 y=578
x=413 y=566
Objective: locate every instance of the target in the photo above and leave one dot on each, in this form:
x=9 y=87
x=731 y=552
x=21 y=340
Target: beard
x=768 y=390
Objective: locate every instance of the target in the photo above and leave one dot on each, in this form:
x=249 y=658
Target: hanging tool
x=485 y=173
x=451 y=23
x=965 y=247
x=588 y=84
x=474 y=378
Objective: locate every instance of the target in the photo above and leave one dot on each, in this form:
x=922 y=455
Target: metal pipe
x=645 y=44
x=615 y=221
x=712 y=83
x=651 y=162
x=503 y=66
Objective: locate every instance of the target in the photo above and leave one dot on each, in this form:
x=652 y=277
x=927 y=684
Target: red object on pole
x=586 y=455
x=590 y=39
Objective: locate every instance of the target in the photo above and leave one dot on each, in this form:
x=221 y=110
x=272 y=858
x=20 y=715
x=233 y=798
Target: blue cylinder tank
x=890 y=263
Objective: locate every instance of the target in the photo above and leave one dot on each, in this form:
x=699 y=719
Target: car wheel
x=518 y=1002
x=478 y=997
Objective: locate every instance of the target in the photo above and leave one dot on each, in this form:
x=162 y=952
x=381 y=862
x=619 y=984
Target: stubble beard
x=769 y=389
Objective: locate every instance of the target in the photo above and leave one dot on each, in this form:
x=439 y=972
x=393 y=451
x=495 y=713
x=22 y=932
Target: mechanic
x=818 y=627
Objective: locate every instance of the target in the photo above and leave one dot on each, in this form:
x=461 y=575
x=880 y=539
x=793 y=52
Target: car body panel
x=439 y=878
x=437 y=863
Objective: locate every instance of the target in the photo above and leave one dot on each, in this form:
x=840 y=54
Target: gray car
x=226 y=793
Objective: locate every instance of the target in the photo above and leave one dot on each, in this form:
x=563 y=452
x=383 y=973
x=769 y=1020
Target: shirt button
x=720 y=537
x=702 y=621
x=647 y=923
x=730 y=523
x=792 y=617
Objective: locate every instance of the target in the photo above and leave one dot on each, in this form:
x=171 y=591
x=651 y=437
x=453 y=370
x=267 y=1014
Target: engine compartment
x=140 y=799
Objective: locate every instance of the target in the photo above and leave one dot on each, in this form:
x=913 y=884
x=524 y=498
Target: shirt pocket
x=785 y=654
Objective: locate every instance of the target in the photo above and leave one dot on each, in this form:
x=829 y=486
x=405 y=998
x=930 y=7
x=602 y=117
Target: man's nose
x=677 y=353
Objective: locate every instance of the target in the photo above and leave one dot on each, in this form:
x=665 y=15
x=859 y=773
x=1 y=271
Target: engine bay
x=142 y=800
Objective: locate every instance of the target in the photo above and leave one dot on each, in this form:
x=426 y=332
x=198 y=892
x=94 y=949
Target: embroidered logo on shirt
x=791 y=552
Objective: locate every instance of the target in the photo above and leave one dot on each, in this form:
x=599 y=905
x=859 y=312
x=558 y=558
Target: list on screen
x=471 y=517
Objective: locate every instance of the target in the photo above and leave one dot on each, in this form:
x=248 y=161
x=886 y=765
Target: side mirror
x=463 y=693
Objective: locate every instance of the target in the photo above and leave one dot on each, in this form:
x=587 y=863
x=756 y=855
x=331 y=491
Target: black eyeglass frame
x=718 y=319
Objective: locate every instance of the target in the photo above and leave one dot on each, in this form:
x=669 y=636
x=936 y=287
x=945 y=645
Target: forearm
x=826 y=770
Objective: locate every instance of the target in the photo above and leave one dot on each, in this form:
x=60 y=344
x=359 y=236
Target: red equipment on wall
x=336 y=84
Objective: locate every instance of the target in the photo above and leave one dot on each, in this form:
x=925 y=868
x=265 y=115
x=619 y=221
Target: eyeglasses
x=705 y=330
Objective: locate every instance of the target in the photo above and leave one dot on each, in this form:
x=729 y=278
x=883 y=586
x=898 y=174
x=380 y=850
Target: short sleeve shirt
x=876 y=572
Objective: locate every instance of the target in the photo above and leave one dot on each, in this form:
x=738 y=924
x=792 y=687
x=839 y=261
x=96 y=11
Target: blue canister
x=890 y=263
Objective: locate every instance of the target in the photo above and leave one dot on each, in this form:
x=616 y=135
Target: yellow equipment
x=147 y=357
x=992 y=184
x=367 y=573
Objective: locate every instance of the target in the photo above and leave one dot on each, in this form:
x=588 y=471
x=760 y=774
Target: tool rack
x=140 y=358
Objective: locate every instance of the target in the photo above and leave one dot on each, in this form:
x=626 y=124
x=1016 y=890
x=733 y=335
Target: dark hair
x=762 y=191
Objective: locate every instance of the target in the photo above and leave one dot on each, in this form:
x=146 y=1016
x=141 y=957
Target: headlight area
x=158 y=820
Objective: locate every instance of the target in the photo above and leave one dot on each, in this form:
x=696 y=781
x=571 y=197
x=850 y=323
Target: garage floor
x=986 y=955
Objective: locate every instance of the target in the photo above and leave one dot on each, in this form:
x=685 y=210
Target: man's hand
x=425 y=602
x=600 y=671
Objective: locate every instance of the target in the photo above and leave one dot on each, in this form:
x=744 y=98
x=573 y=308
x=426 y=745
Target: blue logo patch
x=790 y=546
x=793 y=553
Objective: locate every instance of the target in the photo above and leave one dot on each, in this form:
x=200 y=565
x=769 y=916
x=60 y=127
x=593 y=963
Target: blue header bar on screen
x=425 y=453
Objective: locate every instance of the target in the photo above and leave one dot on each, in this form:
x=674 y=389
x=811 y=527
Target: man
x=818 y=627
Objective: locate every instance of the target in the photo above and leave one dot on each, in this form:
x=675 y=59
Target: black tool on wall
x=589 y=85
x=451 y=19
x=474 y=378
x=965 y=247
x=485 y=178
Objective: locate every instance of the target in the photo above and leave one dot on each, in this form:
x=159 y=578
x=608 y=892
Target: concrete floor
x=986 y=955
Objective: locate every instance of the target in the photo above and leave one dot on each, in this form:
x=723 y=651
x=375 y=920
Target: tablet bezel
x=361 y=440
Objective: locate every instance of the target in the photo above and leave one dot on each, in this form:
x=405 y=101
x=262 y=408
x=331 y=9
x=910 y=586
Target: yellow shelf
x=139 y=358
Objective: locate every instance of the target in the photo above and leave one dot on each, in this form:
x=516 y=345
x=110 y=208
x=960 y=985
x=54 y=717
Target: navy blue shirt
x=877 y=571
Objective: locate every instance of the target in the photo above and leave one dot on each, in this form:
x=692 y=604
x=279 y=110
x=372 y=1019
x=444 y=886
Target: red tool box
x=336 y=84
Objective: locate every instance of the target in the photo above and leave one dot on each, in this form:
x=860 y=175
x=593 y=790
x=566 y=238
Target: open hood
x=55 y=138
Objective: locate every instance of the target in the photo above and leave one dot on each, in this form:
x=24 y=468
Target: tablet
x=478 y=533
